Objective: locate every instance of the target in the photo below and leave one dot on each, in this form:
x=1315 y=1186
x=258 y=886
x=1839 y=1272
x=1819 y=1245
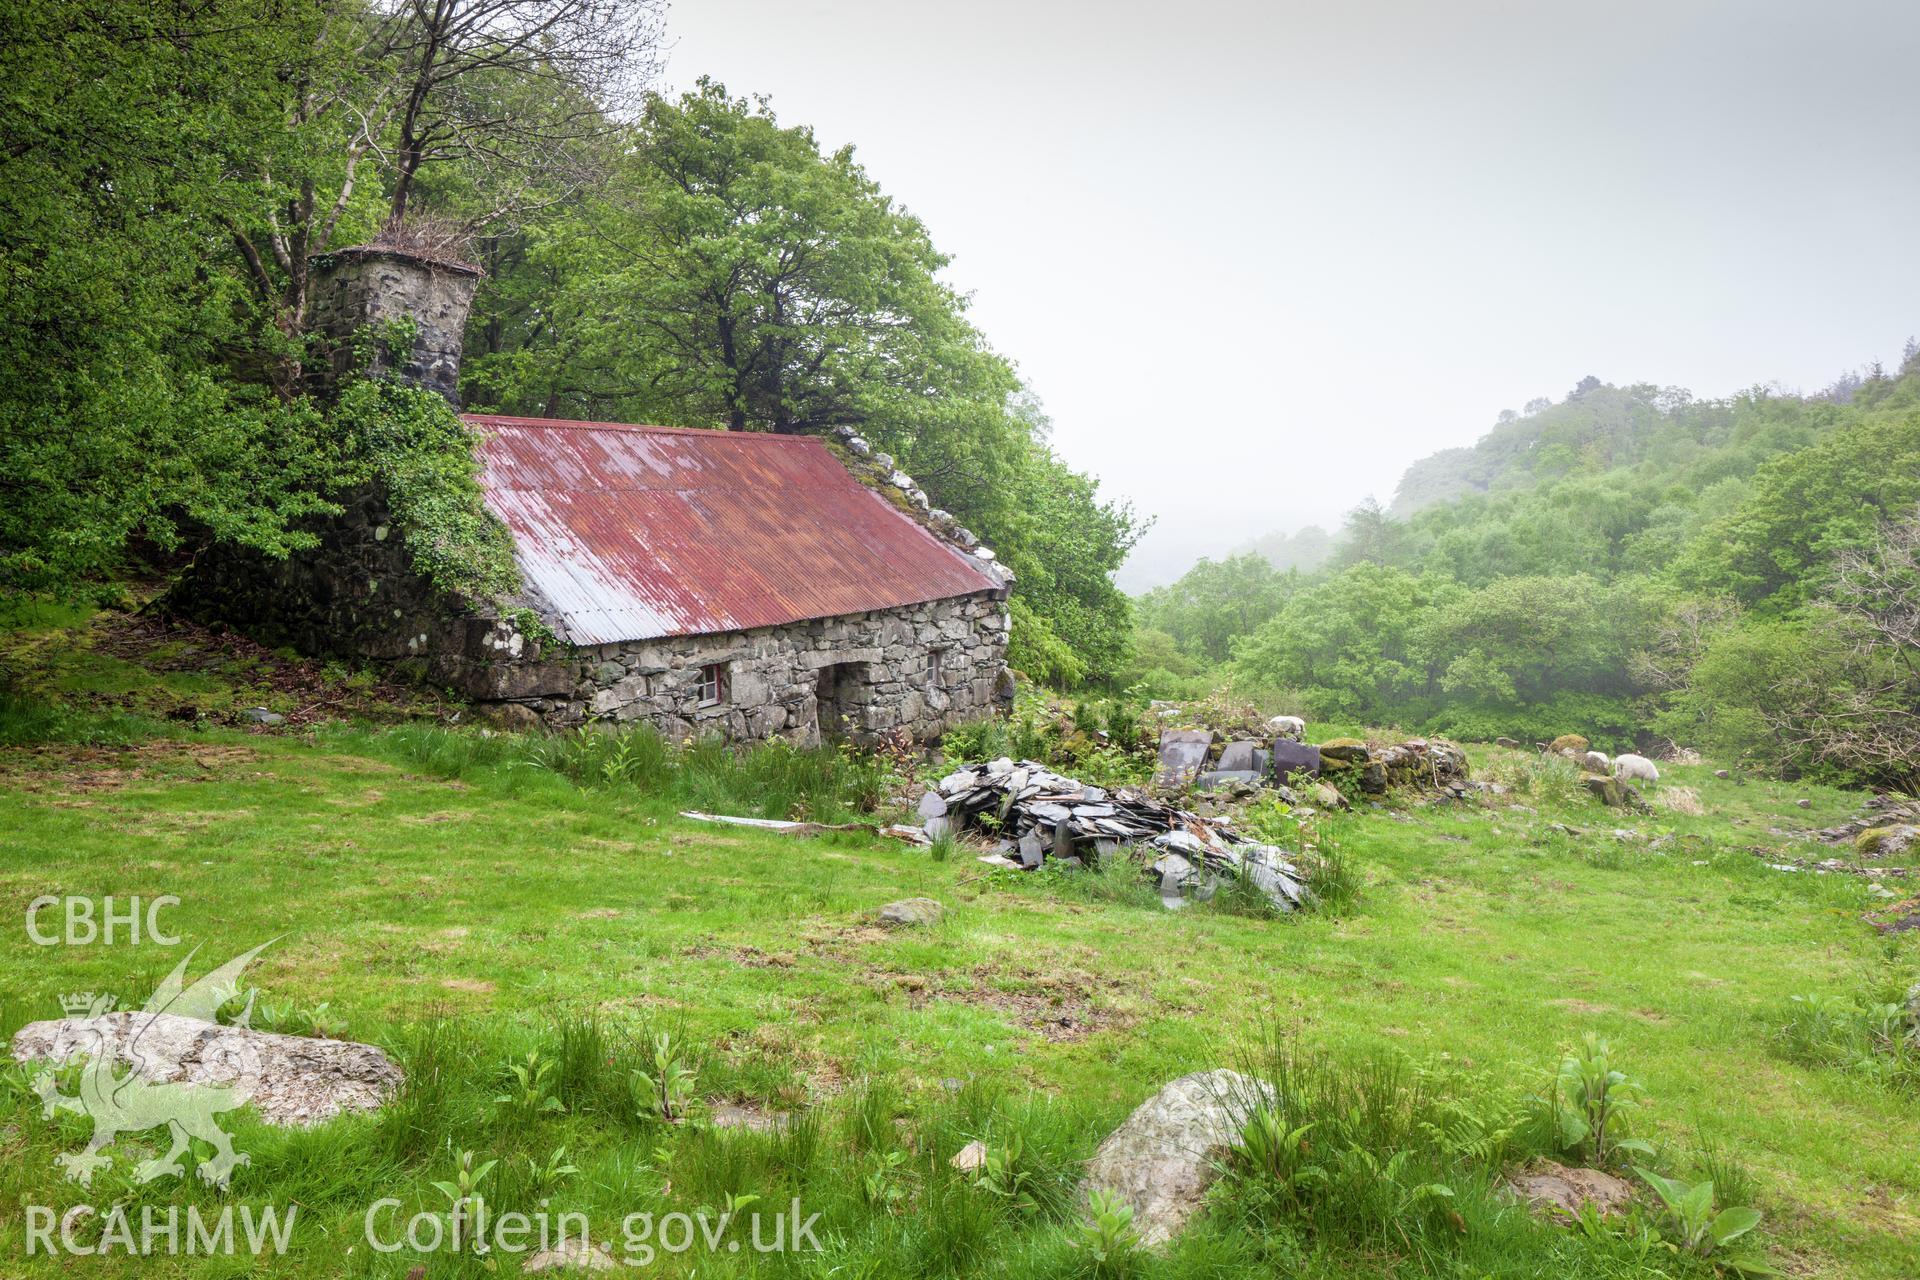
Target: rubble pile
x=1038 y=814
x=1200 y=759
x=1887 y=824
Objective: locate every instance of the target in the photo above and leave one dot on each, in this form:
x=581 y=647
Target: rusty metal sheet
x=634 y=533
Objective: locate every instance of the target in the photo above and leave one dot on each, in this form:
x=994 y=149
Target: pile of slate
x=1037 y=814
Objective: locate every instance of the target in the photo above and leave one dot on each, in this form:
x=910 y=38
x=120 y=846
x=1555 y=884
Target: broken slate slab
x=1236 y=756
x=1182 y=753
x=1221 y=777
x=1290 y=757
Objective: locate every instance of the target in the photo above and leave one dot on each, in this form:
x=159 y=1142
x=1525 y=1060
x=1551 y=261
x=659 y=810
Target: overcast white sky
x=1256 y=258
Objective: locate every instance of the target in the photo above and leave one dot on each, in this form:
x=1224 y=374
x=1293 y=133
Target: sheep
x=1288 y=727
x=1596 y=761
x=1632 y=768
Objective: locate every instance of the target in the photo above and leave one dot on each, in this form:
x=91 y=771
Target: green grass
x=465 y=899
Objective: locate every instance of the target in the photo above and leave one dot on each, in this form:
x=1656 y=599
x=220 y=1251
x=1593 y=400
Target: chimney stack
x=357 y=290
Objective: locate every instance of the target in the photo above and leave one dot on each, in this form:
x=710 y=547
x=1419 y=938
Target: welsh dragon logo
x=132 y=1102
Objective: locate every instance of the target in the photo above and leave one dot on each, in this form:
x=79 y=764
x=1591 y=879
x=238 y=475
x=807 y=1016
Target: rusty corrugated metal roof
x=632 y=533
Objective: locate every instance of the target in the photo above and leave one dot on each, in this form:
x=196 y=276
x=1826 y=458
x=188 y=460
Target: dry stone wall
x=859 y=676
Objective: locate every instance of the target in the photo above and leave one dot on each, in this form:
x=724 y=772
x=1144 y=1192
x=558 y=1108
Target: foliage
x=113 y=332
x=1100 y=741
x=1590 y=1101
x=1878 y=1038
x=1700 y=1232
x=1629 y=563
x=1107 y=1236
x=411 y=443
x=1367 y=1152
x=532 y=1090
x=1215 y=603
x=666 y=1083
x=769 y=780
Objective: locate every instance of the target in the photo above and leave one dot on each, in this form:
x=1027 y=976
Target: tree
x=372 y=92
x=731 y=274
x=1215 y=603
x=1806 y=508
x=122 y=126
x=1347 y=644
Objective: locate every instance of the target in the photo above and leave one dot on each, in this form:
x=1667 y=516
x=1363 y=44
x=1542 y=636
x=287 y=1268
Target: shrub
x=1875 y=1039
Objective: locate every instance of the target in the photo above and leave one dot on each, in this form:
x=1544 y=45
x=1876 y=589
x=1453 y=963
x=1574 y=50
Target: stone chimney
x=355 y=290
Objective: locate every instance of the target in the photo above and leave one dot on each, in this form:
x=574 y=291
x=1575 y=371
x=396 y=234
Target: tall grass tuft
x=1369 y=1153
x=29 y=722
x=763 y=780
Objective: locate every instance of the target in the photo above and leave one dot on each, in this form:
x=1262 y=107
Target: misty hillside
x=1597 y=428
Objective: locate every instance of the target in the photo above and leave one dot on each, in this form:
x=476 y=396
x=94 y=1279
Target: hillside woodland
x=1631 y=563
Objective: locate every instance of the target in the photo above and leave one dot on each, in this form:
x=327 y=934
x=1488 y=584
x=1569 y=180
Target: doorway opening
x=840 y=692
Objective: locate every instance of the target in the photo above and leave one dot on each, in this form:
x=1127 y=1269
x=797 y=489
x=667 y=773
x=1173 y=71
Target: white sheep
x=1287 y=727
x=1597 y=761
x=1632 y=768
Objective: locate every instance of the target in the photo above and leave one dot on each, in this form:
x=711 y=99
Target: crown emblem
x=86 y=1004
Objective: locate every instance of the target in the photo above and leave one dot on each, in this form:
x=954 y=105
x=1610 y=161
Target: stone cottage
x=709 y=582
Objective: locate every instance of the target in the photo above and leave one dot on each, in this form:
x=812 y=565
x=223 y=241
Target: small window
x=713 y=684
x=934 y=676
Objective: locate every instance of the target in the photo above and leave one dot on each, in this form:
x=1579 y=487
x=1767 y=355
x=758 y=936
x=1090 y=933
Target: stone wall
x=355 y=595
x=879 y=678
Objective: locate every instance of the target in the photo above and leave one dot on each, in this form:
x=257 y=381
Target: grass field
x=431 y=891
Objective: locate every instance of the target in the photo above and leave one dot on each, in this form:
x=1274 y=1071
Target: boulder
x=970 y=1157
x=1163 y=1158
x=1879 y=842
x=1327 y=796
x=1607 y=790
x=1344 y=750
x=1558 y=1192
x=1569 y=743
x=293 y=1080
x=571 y=1255
x=750 y=1116
x=911 y=912
x=1505 y=742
